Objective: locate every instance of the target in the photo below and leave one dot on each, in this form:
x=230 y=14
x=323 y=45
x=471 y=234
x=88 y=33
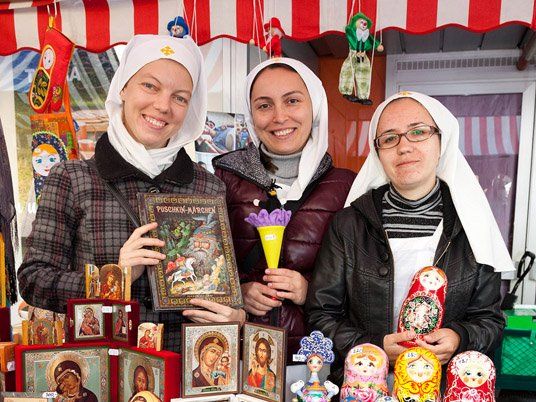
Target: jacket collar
x=112 y=166
x=370 y=206
x=246 y=163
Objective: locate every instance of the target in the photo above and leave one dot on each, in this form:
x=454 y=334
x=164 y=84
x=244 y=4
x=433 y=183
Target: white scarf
x=141 y=50
x=468 y=197
x=317 y=144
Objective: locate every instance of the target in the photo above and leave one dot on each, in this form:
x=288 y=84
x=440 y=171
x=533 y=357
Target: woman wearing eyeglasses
x=415 y=203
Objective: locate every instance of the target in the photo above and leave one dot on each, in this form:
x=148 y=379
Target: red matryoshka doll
x=424 y=306
x=365 y=374
x=417 y=376
x=470 y=377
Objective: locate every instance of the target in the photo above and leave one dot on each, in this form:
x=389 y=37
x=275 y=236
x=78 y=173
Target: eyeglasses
x=416 y=134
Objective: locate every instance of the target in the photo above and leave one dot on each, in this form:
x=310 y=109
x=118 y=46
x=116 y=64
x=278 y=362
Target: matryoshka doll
x=417 y=376
x=470 y=377
x=47 y=150
x=424 y=306
x=317 y=350
x=365 y=374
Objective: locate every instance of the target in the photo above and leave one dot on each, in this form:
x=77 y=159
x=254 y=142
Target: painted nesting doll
x=386 y=399
x=424 y=306
x=417 y=376
x=470 y=377
x=317 y=350
x=365 y=374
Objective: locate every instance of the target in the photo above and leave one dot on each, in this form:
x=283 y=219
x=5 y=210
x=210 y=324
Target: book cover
x=200 y=260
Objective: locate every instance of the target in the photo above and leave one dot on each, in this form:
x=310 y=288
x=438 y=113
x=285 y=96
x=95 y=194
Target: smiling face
x=410 y=166
x=155 y=102
x=43 y=158
x=432 y=279
x=474 y=374
x=420 y=370
x=282 y=110
x=315 y=363
x=365 y=365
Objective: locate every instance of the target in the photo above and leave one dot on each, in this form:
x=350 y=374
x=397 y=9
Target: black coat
x=350 y=298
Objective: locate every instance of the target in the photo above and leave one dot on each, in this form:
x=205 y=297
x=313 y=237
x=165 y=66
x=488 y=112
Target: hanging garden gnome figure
x=178 y=27
x=317 y=350
x=365 y=374
x=273 y=32
x=356 y=73
x=470 y=377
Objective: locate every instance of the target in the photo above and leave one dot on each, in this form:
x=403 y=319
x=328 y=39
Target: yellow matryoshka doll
x=417 y=376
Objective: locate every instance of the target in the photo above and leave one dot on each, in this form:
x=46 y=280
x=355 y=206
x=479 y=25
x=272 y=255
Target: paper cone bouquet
x=271 y=227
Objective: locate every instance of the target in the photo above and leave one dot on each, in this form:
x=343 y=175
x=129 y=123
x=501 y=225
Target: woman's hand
x=443 y=343
x=391 y=346
x=259 y=298
x=214 y=312
x=290 y=284
x=134 y=254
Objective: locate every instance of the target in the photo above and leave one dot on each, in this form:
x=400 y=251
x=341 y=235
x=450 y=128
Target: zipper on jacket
x=442 y=254
x=391 y=283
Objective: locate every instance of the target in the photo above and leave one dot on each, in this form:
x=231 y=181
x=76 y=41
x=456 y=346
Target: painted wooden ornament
x=424 y=307
x=365 y=374
x=317 y=350
x=470 y=377
x=417 y=376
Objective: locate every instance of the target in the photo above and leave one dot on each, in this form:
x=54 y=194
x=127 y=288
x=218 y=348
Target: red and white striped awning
x=97 y=25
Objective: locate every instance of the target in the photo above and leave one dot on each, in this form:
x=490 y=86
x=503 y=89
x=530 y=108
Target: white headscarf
x=468 y=197
x=141 y=50
x=317 y=144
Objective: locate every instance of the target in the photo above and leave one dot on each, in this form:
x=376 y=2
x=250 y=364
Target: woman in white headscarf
x=415 y=203
x=287 y=163
x=156 y=105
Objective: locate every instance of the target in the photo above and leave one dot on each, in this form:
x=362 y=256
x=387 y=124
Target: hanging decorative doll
x=317 y=350
x=356 y=73
x=47 y=150
x=470 y=377
x=417 y=376
x=46 y=91
x=424 y=306
x=365 y=374
x=178 y=27
x=273 y=32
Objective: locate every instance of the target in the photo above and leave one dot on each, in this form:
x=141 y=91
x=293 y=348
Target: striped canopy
x=96 y=25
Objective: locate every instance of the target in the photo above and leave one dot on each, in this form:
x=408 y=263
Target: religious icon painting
x=124 y=322
x=263 y=356
x=42 y=332
x=148 y=374
x=81 y=371
x=90 y=320
x=26 y=397
x=109 y=282
x=140 y=372
x=86 y=320
x=150 y=336
x=210 y=359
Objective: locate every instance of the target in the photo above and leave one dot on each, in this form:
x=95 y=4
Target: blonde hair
x=44 y=148
x=405 y=386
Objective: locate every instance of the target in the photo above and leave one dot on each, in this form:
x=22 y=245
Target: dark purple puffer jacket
x=246 y=180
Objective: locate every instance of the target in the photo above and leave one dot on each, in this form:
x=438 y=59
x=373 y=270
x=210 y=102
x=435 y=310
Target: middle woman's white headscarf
x=141 y=50
x=468 y=197
x=317 y=144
